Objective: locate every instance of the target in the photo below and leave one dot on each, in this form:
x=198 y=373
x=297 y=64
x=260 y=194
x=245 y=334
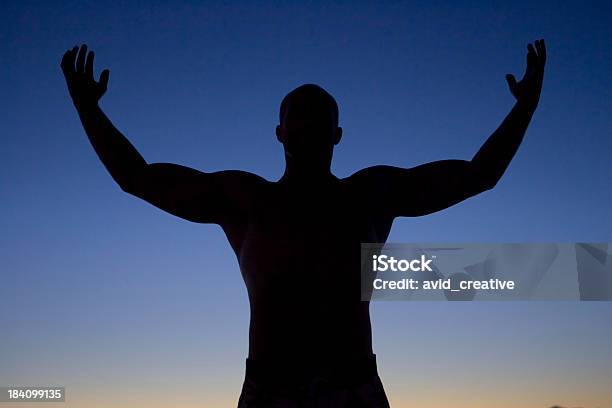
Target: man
x=298 y=239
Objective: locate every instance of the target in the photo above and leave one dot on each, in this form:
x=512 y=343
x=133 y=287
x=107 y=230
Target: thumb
x=511 y=81
x=104 y=79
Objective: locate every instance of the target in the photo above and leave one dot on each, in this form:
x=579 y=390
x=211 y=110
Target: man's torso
x=299 y=255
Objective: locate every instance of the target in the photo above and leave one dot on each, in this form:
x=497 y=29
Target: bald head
x=308 y=126
x=310 y=97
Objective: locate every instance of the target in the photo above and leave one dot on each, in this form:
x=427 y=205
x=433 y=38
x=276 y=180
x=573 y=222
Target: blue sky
x=101 y=288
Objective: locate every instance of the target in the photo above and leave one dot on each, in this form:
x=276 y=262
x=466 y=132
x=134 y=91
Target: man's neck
x=307 y=177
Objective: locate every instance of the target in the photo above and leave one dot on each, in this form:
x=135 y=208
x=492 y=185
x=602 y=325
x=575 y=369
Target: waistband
x=294 y=373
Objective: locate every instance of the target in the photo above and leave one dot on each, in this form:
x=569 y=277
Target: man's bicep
x=423 y=189
x=191 y=194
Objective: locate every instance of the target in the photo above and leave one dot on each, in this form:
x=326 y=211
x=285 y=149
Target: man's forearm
x=495 y=155
x=118 y=155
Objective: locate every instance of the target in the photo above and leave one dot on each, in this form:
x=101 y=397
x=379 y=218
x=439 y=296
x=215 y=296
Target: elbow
x=489 y=184
x=486 y=182
x=126 y=188
x=131 y=188
x=486 y=178
x=130 y=182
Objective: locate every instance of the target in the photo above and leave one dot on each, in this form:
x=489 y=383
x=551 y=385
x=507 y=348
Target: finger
x=538 y=47
x=89 y=65
x=73 y=54
x=68 y=61
x=80 y=63
x=511 y=81
x=531 y=49
x=531 y=57
x=65 y=64
x=542 y=51
x=104 y=80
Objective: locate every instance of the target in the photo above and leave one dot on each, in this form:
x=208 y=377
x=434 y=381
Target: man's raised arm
x=493 y=158
x=117 y=154
x=217 y=197
x=438 y=185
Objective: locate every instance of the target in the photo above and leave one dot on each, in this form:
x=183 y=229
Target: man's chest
x=308 y=233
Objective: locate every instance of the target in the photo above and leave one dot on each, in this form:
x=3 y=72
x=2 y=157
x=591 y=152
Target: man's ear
x=279 y=134
x=338 y=135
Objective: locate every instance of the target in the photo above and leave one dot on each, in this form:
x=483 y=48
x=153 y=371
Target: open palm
x=77 y=66
x=529 y=87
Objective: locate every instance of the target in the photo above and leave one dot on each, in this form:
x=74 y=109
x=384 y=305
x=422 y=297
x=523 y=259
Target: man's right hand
x=528 y=89
x=77 y=66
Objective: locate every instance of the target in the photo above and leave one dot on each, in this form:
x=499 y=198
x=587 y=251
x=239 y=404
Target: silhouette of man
x=298 y=239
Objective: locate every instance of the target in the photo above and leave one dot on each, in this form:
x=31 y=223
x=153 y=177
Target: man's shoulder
x=239 y=190
x=240 y=178
x=366 y=176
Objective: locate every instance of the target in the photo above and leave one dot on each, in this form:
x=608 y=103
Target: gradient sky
x=128 y=306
